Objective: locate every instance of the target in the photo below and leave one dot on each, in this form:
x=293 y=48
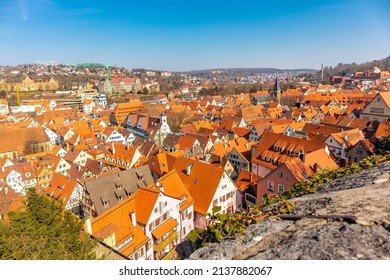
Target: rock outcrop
x=348 y=218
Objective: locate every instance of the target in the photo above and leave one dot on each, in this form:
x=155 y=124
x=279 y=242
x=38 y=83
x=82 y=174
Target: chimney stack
x=113 y=148
x=88 y=225
x=189 y=169
x=302 y=155
x=133 y=219
x=160 y=186
x=316 y=169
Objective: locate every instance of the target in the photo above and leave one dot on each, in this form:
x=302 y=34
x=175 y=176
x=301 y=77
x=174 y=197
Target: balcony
x=170 y=255
x=160 y=246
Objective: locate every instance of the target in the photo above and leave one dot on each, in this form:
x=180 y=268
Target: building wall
x=171 y=208
x=335 y=147
x=376 y=110
x=285 y=178
x=260 y=170
x=225 y=195
x=75 y=201
x=63 y=167
x=238 y=161
x=186 y=222
x=357 y=153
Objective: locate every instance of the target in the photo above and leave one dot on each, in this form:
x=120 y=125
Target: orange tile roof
x=61 y=188
x=288 y=143
x=202 y=182
x=352 y=137
x=174 y=187
x=164 y=228
x=145 y=201
x=10 y=201
x=383 y=130
x=246 y=179
x=299 y=170
x=224 y=148
x=386 y=97
x=118 y=220
x=202 y=124
x=322 y=159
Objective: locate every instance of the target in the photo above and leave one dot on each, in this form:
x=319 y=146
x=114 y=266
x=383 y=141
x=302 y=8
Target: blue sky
x=188 y=35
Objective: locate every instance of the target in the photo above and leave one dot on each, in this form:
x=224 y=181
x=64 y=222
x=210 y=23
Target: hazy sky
x=188 y=35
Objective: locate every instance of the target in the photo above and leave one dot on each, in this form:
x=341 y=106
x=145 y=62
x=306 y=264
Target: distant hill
x=248 y=71
x=350 y=68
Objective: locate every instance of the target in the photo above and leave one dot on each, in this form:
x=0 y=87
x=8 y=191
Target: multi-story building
x=144 y=126
x=378 y=109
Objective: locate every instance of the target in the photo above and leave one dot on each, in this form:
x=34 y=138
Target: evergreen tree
x=44 y=231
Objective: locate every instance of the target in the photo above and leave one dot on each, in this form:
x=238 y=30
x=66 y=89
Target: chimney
x=161 y=188
x=302 y=155
x=189 y=169
x=113 y=148
x=250 y=177
x=133 y=218
x=78 y=167
x=88 y=225
x=343 y=146
x=6 y=190
x=316 y=169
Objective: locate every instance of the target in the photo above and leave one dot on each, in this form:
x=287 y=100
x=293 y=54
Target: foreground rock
x=365 y=196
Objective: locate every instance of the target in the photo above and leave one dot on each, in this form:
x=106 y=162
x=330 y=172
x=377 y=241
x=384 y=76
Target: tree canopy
x=43 y=230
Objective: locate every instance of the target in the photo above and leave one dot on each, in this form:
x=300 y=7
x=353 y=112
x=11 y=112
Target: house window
x=287 y=176
x=148 y=245
x=271 y=186
x=359 y=151
x=280 y=174
x=280 y=188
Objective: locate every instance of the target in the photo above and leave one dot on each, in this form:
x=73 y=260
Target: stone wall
x=348 y=218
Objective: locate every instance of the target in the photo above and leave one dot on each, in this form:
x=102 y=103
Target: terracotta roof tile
x=165 y=227
x=202 y=182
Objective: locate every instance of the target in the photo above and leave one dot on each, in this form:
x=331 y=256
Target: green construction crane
x=107 y=67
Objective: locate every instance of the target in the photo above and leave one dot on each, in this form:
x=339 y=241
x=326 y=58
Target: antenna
x=322 y=73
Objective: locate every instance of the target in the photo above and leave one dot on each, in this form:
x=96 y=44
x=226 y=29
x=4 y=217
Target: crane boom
x=107 y=67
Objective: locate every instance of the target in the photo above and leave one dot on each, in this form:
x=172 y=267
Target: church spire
x=276 y=92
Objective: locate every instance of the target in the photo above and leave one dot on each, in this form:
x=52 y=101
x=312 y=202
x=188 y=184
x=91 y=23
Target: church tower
x=276 y=92
x=163 y=118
